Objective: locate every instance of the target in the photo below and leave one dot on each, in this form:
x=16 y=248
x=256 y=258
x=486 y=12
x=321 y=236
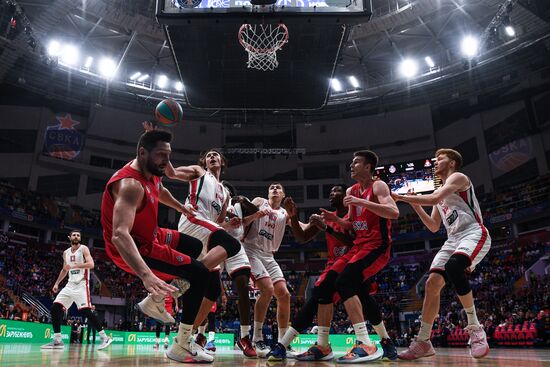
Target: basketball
x=168 y=112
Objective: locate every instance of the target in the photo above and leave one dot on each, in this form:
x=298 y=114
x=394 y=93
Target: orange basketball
x=168 y=112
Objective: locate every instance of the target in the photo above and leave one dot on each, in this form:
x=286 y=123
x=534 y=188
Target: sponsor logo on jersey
x=266 y=234
x=216 y=207
x=360 y=225
x=339 y=251
x=452 y=218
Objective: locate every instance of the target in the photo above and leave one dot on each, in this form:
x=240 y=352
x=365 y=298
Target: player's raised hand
x=290 y=207
x=328 y=216
x=148 y=126
x=235 y=222
x=317 y=221
x=157 y=286
x=395 y=196
x=263 y=212
x=350 y=200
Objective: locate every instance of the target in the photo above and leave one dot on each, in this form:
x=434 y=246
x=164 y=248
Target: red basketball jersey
x=370 y=229
x=335 y=248
x=145 y=227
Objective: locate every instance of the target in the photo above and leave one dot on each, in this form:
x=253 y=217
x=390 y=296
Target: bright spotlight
x=510 y=31
x=89 y=61
x=107 y=67
x=143 y=77
x=179 y=86
x=162 y=81
x=336 y=85
x=408 y=68
x=54 y=48
x=470 y=46
x=353 y=81
x=135 y=75
x=429 y=61
x=69 y=56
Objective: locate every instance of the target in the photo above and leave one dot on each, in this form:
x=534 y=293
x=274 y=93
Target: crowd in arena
x=34 y=267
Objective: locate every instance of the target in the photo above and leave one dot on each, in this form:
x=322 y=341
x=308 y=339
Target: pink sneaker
x=418 y=349
x=478 y=341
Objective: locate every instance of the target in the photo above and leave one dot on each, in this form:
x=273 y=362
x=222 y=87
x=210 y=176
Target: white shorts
x=78 y=293
x=474 y=244
x=263 y=265
x=237 y=262
x=199 y=228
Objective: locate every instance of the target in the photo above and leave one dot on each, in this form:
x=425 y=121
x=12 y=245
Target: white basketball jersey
x=238 y=211
x=460 y=212
x=73 y=258
x=267 y=232
x=207 y=195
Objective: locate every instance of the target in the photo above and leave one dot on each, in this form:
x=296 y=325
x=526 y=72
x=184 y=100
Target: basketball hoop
x=261 y=42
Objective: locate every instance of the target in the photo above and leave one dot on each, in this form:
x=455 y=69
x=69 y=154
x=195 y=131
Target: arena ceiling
x=126 y=32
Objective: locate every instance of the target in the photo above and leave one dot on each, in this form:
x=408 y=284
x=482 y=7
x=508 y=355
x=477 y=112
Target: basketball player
x=169 y=306
x=468 y=242
x=324 y=295
x=260 y=243
x=129 y=217
x=77 y=262
x=371 y=209
x=210 y=199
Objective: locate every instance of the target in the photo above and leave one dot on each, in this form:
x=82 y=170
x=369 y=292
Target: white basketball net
x=261 y=42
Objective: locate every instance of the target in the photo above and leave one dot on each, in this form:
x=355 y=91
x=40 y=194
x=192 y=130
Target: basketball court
x=144 y=355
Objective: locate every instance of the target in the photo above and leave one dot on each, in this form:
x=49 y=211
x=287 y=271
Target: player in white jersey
x=468 y=242
x=209 y=198
x=77 y=262
x=261 y=243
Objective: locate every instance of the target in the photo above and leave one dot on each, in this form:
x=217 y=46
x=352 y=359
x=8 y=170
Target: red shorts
x=169 y=237
x=157 y=257
x=338 y=265
x=373 y=258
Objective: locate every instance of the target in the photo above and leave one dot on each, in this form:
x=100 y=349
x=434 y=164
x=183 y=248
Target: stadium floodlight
x=135 y=75
x=336 y=85
x=353 y=81
x=179 y=86
x=470 y=46
x=408 y=68
x=69 y=55
x=162 y=81
x=143 y=78
x=54 y=48
x=429 y=61
x=107 y=67
x=510 y=31
x=89 y=62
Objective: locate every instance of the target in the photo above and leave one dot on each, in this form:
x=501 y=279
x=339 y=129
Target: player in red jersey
x=129 y=216
x=371 y=209
x=169 y=306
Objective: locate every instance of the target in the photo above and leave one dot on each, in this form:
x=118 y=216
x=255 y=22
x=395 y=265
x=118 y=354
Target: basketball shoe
x=479 y=347
x=418 y=349
x=155 y=309
x=245 y=345
x=187 y=353
x=316 y=353
x=361 y=353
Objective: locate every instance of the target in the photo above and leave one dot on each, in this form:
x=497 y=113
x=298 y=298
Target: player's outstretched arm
x=455 y=182
x=385 y=208
x=184 y=173
x=301 y=232
x=128 y=194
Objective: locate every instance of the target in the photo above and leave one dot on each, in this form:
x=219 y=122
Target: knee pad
x=348 y=283
x=456 y=272
x=221 y=238
x=214 y=286
x=327 y=288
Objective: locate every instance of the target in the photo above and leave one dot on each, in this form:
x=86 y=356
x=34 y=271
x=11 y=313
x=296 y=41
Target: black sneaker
x=390 y=352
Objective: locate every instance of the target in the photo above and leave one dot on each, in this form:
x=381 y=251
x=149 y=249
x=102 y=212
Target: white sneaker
x=54 y=344
x=155 y=310
x=291 y=353
x=105 y=342
x=190 y=353
x=261 y=349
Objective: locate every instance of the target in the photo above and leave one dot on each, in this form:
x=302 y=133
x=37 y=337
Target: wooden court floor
x=145 y=355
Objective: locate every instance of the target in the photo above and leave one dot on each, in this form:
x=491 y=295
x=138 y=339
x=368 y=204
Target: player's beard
x=154 y=169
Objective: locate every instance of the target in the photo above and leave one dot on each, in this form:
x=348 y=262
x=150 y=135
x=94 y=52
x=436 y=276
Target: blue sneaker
x=278 y=353
x=390 y=352
x=362 y=353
